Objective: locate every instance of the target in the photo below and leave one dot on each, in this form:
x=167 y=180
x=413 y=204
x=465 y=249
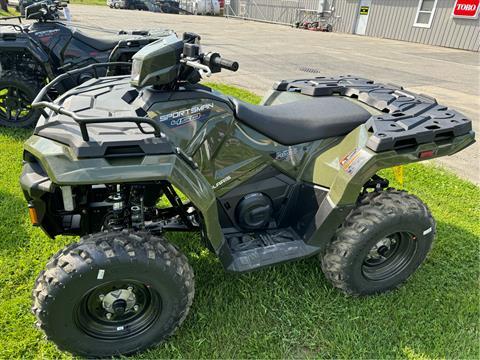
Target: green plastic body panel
x=226 y=151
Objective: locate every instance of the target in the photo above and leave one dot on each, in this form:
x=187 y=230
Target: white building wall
x=391 y=19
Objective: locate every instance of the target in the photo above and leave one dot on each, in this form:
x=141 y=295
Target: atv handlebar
x=44 y=11
x=227 y=64
x=215 y=62
x=210 y=63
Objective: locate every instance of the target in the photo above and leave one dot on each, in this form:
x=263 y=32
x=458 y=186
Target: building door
x=362 y=17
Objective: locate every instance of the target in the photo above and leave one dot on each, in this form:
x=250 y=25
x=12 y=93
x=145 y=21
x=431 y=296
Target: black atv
x=32 y=55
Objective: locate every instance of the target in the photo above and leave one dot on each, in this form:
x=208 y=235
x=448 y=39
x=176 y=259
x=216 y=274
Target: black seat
x=101 y=44
x=303 y=121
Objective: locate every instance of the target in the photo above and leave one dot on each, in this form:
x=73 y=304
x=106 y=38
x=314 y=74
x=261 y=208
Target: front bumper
x=40 y=194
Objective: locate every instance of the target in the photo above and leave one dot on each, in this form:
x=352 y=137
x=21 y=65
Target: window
x=425 y=11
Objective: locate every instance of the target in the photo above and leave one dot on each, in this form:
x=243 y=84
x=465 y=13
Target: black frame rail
x=83 y=121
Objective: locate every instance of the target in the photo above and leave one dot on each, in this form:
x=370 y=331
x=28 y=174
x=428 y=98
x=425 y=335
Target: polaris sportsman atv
x=293 y=178
x=32 y=55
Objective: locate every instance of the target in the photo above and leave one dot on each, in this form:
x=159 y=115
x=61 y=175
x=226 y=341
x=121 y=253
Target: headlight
x=136 y=68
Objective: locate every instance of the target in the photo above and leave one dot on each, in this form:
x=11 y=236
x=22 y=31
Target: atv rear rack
x=410 y=119
x=83 y=121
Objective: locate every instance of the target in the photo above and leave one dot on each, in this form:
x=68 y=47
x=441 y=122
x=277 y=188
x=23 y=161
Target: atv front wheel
x=113 y=293
x=16 y=95
x=381 y=243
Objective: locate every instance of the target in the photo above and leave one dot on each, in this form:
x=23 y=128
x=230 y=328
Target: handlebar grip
x=226 y=64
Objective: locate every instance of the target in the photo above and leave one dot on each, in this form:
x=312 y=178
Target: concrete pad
x=267 y=53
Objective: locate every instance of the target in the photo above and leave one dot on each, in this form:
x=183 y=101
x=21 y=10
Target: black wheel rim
x=15 y=104
x=389 y=256
x=126 y=318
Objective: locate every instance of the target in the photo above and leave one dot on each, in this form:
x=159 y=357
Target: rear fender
x=20 y=43
x=62 y=168
x=347 y=165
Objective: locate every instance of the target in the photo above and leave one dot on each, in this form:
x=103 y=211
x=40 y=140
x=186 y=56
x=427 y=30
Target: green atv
x=293 y=178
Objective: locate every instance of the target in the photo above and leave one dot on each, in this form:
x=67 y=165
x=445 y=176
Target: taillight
x=426 y=154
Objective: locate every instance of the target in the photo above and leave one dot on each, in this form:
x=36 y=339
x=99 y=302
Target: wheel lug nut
x=130 y=288
x=108 y=316
x=136 y=307
x=101 y=297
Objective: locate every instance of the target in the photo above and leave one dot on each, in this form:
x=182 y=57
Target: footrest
x=256 y=250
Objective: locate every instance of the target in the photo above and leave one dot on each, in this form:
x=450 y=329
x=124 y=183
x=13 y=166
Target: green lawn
x=284 y=311
x=11 y=12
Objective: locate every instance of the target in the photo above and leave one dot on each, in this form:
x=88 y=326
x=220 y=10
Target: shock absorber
x=137 y=206
x=137 y=216
x=116 y=221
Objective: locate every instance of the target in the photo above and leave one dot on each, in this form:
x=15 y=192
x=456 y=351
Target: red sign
x=466 y=8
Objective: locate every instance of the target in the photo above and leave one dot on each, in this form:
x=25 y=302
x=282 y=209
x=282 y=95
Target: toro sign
x=467 y=9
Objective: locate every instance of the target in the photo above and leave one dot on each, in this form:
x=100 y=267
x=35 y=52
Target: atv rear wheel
x=16 y=95
x=381 y=243
x=113 y=293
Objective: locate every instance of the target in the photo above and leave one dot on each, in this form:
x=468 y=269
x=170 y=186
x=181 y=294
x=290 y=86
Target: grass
x=285 y=311
x=11 y=12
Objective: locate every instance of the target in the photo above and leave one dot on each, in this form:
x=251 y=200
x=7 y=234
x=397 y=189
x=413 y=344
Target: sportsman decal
x=186 y=116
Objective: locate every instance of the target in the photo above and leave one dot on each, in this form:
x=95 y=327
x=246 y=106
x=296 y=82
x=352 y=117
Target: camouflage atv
x=292 y=178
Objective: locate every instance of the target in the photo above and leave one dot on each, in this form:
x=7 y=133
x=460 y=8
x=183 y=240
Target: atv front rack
x=5 y=18
x=409 y=120
x=83 y=121
x=16 y=27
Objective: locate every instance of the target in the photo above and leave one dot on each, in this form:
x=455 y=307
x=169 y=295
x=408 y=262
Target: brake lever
x=34 y=15
x=203 y=69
